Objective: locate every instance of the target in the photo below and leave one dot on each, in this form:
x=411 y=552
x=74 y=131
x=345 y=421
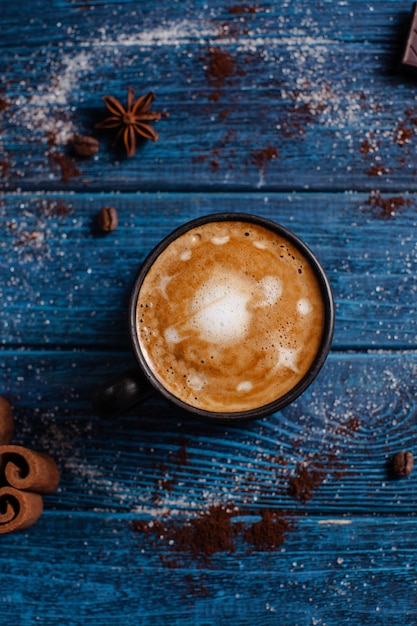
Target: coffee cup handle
x=121 y=393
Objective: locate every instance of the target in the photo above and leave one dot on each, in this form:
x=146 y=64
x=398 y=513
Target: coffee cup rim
x=328 y=326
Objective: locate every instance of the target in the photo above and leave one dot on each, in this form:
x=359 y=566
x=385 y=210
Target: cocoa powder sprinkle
x=305 y=481
x=3 y=104
x=269 y=533
x=239 y=9
x=68 y=168
x=221 y=66
x=216 y=530
x=261 y=157
x=385 y=208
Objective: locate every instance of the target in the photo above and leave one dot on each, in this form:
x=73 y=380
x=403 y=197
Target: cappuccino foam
x=230 y=316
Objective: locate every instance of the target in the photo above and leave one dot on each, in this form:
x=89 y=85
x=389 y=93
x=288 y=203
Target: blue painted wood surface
x=321 y=84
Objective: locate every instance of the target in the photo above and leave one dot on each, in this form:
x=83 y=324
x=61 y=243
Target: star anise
x=131 y=120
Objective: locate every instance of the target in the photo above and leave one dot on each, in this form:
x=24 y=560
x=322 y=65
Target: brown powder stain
x=215 y=530
x=208 y=533
x=269 y=533
x=221 y=66
x=240 y=9
x=68 y=168
x=202 y=536
x=385 y=208
x=403 y=134
x=261 y=157
x=221 y=70
x=369 y=146
x=4 y=104
x=378 y=169
x=299 y=116
x=305 y=481
x=4 y=169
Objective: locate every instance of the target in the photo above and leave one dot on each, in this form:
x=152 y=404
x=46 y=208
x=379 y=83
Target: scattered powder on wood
x=55 y=208
x=369 y=146
x=221 y=66
x=385 y=208
x=4 y=104
x=297 y=119
x=215 y=530
x=411 y=115
x=168 y=478
x=204 y=535
x=181 y=456
x=196 y=586
x=221 y=70
x=377 y=170
x=306 y=480
x=269 y=533
x=68 y=168
x=239 y=9
x=403 y=134
x=354 y=424
x=261 y=157
x=4 y=169
x=208 y=533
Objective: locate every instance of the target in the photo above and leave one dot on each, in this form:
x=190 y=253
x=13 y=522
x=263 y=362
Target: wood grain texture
x=321 y=84
x=67 y=285
x=356 y=571
x=348 y=425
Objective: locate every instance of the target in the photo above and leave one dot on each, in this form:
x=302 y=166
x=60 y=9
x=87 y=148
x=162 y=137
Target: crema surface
x=230 y=316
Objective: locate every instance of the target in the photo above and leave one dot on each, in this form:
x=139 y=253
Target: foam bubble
x=171 y=335
x=245 y=385
x=220 y=304
x=260 y=245
x=304 y=306
x=288 y=358
x=220 y=241
x=196 y=383
x=186 y=255
x=164 y=282
x=271 y=287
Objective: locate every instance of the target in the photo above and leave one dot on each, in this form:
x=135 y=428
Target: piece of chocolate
x=410 y=51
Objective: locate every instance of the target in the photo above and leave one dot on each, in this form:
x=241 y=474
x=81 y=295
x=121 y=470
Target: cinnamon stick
x=18 y=509
x=24 y=476
x=6 y=421
x=28 y=470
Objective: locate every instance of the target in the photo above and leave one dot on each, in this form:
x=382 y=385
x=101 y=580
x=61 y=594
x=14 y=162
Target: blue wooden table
x=313 y=123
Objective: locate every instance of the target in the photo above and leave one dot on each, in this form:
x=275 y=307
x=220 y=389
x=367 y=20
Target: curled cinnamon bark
x=18 y=509
x=6 y=421
x=28 y=470
x=24 y=476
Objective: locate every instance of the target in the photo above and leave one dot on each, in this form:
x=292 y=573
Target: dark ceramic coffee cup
x=215 y=293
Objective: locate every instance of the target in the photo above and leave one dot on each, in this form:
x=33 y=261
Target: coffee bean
x=85 y=146
x=107 y=219
x=403 y=463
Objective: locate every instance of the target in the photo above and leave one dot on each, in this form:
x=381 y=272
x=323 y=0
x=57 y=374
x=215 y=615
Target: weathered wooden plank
x=319 y=83
x=350 y=20
x=344 y=431
x=95 y=569
x=310 y=82
x=64 y=284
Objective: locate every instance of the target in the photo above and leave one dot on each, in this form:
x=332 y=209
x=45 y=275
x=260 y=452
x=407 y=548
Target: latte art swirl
x=230 y=316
